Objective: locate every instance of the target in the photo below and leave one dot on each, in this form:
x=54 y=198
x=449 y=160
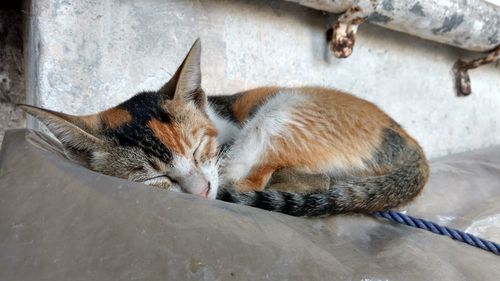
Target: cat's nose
x=195 y=183
x=205 y=192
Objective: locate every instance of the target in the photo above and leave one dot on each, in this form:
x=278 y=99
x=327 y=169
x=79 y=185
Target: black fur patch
x=393 y=145
x=224 y=195
x=222 y=104
x=142 y=107
x=290 y=206
x=263 y=201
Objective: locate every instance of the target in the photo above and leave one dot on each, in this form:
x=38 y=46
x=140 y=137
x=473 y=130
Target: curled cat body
x=171 y=139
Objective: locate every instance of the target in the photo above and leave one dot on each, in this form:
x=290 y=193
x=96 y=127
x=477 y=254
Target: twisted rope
x=442 y=230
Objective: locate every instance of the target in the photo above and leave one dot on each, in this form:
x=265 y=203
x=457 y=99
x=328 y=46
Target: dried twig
x=460 y=68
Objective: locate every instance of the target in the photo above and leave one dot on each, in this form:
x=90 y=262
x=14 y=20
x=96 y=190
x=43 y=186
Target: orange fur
x=169 y=135
x=244 y=105
x=115 y=117
x=257 y=179
x=209 y=149
x=91 y=122
x=332 y=130
x=211 y=131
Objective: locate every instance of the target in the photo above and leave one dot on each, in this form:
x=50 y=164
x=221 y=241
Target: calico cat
x=170 y=138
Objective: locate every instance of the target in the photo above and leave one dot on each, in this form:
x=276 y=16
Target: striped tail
x=357 y=195
x=347 y=196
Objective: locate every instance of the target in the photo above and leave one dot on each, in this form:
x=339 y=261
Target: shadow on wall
x=12 y=89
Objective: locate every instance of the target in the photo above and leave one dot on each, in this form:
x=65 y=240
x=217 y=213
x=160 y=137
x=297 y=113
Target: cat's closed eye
x=154 y=165
x=161 y=181
x=136 y=170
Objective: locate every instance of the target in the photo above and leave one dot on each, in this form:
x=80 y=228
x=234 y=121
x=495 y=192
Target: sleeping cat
x=170 y=138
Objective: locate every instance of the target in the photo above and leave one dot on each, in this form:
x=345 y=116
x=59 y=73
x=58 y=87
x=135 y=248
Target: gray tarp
x=59 y=221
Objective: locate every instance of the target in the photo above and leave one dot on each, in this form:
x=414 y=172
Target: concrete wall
x=85 y=56
x=12 y=89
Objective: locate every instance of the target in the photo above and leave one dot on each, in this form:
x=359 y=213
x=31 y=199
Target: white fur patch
x=182 y=166
x=210 y=170
x=270 y=120
x=227 y=131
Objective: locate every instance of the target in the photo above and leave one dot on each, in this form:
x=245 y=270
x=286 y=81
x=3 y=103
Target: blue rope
x=442 y=230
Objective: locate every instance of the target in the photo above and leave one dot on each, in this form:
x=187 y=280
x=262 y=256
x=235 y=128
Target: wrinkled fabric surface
x=60 y=221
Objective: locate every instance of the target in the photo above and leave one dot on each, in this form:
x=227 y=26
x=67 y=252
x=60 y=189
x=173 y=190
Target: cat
x=171 y=138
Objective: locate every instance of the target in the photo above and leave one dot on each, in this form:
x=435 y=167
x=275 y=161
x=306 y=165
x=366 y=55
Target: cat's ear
x=185 y=85
x=76 y=133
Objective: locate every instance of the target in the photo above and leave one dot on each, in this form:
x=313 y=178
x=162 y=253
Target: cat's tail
x=357 y=195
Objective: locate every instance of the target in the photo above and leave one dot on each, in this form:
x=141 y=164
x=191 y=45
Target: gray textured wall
x=87 y=55
x=12 y=88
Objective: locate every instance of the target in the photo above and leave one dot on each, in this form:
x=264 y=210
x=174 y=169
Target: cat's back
x=313 y=101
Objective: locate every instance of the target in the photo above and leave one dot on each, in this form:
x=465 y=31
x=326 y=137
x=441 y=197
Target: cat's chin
x=210 y=170
x=212 y=194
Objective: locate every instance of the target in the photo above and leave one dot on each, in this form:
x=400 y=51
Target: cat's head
x=161 y=138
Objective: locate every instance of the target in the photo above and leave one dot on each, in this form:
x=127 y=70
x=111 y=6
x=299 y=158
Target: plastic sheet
x=60 y=221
